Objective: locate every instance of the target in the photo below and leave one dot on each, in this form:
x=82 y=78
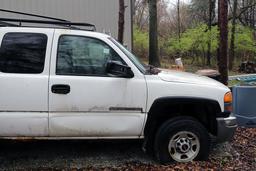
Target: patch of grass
x=232 y=83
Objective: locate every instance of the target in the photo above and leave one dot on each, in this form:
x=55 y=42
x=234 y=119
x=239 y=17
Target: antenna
x=7 y=24
x=32 y=15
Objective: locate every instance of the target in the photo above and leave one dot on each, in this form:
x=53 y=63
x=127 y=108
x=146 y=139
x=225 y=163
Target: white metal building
x=102 y=13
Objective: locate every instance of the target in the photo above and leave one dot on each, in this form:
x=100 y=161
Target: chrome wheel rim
x=184 y=146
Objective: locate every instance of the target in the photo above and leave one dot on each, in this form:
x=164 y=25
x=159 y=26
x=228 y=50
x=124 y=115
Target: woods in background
x=190 y=30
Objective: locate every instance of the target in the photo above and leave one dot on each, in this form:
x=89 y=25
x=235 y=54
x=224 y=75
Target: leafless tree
x=141 y=13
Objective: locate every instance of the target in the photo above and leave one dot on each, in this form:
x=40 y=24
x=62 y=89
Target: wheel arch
x=202 y=109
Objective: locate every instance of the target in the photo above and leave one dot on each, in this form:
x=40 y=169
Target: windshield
x=132 y=57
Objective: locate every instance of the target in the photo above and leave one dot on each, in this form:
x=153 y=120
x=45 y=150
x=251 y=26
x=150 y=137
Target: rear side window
x=23 y=53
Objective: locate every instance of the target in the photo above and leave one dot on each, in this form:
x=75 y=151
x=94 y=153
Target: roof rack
x=2 y=23
x=49 y=21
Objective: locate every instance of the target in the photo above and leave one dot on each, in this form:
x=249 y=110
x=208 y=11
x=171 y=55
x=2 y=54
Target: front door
x=84 y=100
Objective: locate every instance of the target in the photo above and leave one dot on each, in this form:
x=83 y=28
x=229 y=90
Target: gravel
x=240 y=154
x=24 y=155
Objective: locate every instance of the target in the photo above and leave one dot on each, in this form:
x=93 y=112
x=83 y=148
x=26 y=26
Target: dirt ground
x=240 y=154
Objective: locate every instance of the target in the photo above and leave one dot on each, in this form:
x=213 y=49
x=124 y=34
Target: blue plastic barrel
x=244 y=105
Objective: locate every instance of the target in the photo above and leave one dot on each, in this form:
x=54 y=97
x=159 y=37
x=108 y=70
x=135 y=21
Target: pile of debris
x=247 y=67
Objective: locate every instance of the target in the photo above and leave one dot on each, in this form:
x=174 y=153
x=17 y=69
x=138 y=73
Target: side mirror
x=116 y=68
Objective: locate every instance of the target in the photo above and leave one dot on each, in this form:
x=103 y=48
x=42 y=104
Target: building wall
x=102 y=13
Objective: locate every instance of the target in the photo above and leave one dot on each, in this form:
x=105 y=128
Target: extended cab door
x=84 y=100
x=24 y=76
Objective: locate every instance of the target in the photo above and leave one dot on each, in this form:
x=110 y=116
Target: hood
x=184 y=77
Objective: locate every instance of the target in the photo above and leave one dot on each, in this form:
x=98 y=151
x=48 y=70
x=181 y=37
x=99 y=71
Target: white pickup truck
x=73 y=84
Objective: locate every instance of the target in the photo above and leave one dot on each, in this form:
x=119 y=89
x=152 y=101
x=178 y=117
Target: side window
x=79 y=55
x=23 y=53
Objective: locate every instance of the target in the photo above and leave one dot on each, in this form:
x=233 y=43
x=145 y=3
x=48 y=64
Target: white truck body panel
x=157 y=88
x=96 y=124
x=23 y=124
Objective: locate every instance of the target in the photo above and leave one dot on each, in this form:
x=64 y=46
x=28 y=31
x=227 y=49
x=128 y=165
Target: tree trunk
x=223 y=41
x=232 y=41
x=153 y=34
x=210 y=30
x=252 y=22
x=218 y=23
x=178 y=18
x=121 y=21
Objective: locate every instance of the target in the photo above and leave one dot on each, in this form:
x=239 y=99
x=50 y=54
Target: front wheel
x=182 y=139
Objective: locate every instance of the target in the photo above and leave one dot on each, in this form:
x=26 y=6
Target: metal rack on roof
x=50 y=21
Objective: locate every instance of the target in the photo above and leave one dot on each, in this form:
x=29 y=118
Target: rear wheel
x=182 y=139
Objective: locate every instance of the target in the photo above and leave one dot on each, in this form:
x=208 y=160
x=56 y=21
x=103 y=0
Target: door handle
x=60 y=89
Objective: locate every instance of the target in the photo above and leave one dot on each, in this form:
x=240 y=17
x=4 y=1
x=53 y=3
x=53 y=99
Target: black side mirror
x=116 y=68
